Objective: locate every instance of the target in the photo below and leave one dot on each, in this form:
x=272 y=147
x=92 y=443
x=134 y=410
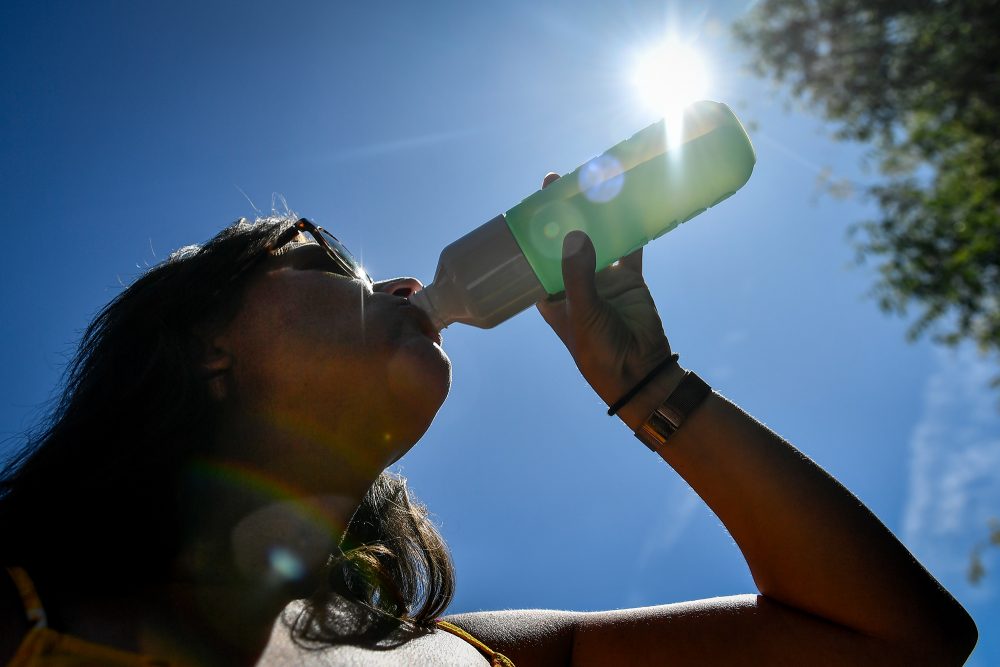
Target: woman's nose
x=404 y=287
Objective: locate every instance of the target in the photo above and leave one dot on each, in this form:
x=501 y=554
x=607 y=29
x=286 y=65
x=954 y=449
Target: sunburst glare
x=668 y=77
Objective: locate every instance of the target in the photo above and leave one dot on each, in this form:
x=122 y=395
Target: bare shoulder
x=745 y=629
x=437 y=648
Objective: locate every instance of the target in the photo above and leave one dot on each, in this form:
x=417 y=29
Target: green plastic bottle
x=633 y=193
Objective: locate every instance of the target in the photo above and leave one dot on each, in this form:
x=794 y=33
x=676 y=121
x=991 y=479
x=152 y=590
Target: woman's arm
x=811 y=545
x=836 y=586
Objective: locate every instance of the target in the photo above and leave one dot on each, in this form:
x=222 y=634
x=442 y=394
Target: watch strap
x=670 y=414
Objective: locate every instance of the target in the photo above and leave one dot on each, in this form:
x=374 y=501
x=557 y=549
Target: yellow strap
x=44 y=646
x=29 y=597
x=496 y=659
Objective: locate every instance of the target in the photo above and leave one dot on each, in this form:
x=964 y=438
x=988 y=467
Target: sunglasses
x=344 y=262
x=347 y=264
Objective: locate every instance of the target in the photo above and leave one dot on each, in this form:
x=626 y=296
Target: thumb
x=579 y=264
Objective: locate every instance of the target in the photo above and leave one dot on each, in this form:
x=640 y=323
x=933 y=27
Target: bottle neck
x=482 y=279
x=424 y=300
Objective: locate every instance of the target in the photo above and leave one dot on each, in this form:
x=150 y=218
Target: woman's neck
x=181 y=623
x=255 y=538
x=229 y=586
x=240 y=571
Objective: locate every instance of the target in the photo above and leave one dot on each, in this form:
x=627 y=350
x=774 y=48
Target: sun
x=670 y=76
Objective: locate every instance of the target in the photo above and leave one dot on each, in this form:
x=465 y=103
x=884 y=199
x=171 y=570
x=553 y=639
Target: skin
x=310 y=347
x=322 y=382
x=306 y=374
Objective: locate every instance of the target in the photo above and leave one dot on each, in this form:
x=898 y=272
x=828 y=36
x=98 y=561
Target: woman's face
x=345 y=370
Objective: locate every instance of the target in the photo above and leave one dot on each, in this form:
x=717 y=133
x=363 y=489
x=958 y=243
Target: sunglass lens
x=345 y=255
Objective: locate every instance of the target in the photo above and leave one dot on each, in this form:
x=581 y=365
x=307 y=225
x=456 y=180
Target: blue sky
x=129 y=130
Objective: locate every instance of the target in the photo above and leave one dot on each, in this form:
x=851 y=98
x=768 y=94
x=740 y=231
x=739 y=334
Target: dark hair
x=393 y=566
x=91 y=498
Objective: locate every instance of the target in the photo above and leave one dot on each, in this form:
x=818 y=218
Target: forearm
x=809 y=542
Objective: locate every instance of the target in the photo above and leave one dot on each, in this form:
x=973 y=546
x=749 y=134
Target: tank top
x=44 y=647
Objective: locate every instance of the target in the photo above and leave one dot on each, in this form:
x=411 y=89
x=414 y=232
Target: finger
x=578 y=267
x=554 y=314
x=632 y=261
x=549 y=179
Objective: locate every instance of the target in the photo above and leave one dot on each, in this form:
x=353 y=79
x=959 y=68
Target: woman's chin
x=420 y=371
x=418 y=381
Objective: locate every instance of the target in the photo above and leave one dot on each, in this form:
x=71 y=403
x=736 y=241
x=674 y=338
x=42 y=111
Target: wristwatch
x=669 y=416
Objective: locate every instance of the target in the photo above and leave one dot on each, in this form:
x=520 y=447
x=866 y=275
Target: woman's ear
x=214 y=360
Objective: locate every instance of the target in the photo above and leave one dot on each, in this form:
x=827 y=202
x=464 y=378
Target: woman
x=225 y=429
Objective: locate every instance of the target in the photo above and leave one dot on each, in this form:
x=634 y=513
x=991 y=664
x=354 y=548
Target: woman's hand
x=607 y=320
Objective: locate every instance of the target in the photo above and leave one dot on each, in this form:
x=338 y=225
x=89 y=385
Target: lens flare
x=285 y=564
x=601 y=179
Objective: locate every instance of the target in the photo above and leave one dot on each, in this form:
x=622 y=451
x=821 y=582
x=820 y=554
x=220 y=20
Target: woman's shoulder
x=435 y=648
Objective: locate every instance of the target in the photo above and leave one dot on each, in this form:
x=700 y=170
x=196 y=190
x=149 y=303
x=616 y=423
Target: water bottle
x=624 y=198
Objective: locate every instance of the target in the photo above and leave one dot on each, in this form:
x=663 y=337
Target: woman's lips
x=424 y=322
